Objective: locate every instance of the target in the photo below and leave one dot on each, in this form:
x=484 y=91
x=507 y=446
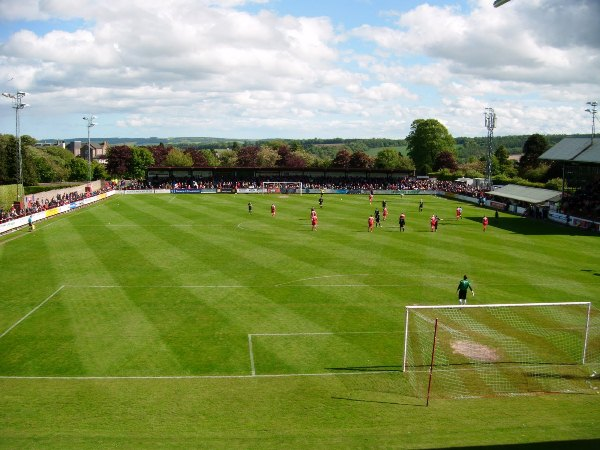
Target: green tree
x=426 y=140
x=502 y=155
x=228 y=158
x=387 y=159
x=406 y=164
x=212 y=160
x=534 y=146
x=78 y=169
x=267 y=156
x=176 y=158
x=140 y=159
x=99 y=171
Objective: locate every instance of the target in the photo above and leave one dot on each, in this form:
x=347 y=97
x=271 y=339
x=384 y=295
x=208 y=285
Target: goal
x=281 y=187
x=501 y=349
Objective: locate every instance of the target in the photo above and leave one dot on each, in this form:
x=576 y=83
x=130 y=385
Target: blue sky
x=298 y=69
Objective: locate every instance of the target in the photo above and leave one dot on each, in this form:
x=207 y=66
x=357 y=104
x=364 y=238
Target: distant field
x=184 y=321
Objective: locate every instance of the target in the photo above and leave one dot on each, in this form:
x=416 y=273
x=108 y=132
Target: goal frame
x=497 y=305
x=264 y=185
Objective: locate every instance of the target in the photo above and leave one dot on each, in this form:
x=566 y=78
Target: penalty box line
x=324 y=333
x=31 y=312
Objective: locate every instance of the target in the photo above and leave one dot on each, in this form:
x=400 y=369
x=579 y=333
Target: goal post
x=281 y=187
x=501 y=349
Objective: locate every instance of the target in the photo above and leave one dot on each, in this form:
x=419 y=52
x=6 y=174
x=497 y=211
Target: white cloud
x=168 y=66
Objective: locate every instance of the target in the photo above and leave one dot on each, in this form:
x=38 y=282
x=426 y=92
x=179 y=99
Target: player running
x=314 y=220
x=385 y=212
x=249 y=207
x=370 y=198
x=433 y=223
x=485 y=222
x=458 y=213
x=273 y=210
x=371 y=222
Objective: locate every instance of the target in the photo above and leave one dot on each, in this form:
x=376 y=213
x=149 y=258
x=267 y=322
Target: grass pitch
x=184 y=321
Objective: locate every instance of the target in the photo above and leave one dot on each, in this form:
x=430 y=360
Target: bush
x=555 y=184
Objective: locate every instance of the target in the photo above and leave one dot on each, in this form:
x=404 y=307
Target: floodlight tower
x=18 y=105
x=90 y=124
x=490 y=124
x=593 y=111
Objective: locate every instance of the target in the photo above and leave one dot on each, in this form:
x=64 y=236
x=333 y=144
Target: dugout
x=524 y=200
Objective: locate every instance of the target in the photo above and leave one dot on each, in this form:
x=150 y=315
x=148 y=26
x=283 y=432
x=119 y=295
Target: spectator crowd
x=39 y=205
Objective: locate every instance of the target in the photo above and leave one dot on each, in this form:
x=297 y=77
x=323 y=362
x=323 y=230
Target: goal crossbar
x=497 y=305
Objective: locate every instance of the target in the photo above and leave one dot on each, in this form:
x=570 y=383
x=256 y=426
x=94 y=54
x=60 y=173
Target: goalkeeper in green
x=463 y=286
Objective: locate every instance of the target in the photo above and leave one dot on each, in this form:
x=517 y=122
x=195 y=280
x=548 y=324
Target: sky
x=297 y=69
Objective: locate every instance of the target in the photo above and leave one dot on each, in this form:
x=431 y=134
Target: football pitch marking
x=324 y=276
x=192 y=377
x=323 y=333
x=31 y=312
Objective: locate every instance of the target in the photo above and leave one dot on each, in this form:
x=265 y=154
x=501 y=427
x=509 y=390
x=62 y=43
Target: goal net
x=508 y=349
x=281 y=187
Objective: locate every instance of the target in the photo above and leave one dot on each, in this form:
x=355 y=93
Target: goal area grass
x=185 y=321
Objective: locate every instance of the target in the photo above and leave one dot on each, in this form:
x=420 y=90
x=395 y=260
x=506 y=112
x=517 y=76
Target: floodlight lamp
x=21 y=93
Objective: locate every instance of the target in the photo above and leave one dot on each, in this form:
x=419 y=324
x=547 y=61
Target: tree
x=228 y=158
x=212 y=160
x=117 y=160
x=198 y=158
x=247 y=156
x=406 y=164
x=445 y=160
x=140 y=159
x=426 y=140
x=99 y=171
x=176 y=158
x=387 y=159
x=78 y=169
x=159 y=153
x=360 y=160
x=502 y=155
x=342 y=159
x=534 y=146
x=267 y=157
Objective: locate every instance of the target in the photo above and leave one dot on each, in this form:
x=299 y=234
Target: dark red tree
x=159 y=152
x=342 y=158
x=360 y=160
x=118 y=159
x=197 y=156
x=248 y=156
x=445 y=160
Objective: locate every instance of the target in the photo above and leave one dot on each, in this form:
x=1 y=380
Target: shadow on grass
x=368 y=368
x=526 y=226
x=578 y=444
x=376 y=401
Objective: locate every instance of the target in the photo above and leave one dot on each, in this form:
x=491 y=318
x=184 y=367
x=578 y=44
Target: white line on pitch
x=252 y=368
x=325 y=276
x=326 y=333
x=31 y=312
x=196 y=377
